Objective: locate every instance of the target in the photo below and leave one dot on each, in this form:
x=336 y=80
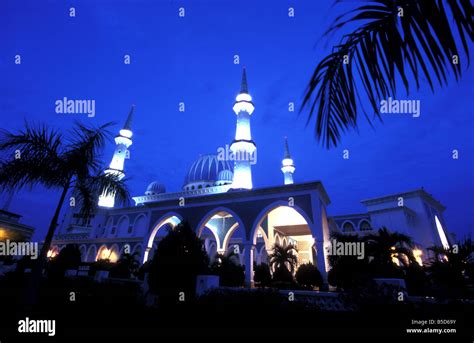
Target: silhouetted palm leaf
x=41 y=156
x=384 y=47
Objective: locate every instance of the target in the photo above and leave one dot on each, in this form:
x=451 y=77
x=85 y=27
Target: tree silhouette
x=387 y=41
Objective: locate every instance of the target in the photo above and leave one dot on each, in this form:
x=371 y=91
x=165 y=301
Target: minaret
x=287 y=165
x=123 y=142
x=243 y=147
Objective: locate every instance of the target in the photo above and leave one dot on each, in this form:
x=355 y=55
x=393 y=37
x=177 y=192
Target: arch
x=228 y=235
x=348 y=226
x=265 y=238
x=83 y=250
x=137 y=250
x=267 y=209
x=208 y=216
x=278 y=240
x=114 y=253
x=102 y=253
x=364 y=225
x=122 y=226
x=91 y=254
x=171 y=218
x=139 y=225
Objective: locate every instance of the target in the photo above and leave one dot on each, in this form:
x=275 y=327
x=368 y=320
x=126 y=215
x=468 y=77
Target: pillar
x=249 y=251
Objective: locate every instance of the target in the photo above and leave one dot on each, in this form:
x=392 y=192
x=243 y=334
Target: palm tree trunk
x=41 y=262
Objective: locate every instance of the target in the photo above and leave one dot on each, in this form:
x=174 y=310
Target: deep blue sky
x=190 y=60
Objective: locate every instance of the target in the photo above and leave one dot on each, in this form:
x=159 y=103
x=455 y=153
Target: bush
x=309 y=276
x=68 y=258
x=231 y=274
x=348 y=273
x=179 y=258
x=283 y=279
x=262 y=275
x=125 y=267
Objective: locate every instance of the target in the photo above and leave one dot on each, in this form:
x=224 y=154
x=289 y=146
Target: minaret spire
x=116 y=167
x=243 y=147
x=287 y=150
x=128 y=123
x=287 y=165
x=244 y=89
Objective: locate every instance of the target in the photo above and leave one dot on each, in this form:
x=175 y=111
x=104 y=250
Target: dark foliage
x=380 y=48
x=125 y=267
x=230 y=272
x=262 y=275
x=179 y=258
x=309 y=276
x=68 y=258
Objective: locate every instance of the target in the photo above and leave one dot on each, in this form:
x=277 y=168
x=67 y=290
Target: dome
x=155 y=188
x=205 y=172
x=225 y=177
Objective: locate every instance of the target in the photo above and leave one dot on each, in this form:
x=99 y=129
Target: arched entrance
x=160 y=229
x=283 y=225
x=220 y=226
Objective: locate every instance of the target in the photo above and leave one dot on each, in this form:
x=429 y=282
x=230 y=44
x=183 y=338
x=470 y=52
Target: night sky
x=191 y=60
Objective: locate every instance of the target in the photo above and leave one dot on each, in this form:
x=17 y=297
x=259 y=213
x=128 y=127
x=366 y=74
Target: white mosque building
x=220 y=202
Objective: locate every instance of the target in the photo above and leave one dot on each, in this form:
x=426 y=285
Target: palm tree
x=385 y=245
x=283 y=257
x=385 y=41
x=43 y=156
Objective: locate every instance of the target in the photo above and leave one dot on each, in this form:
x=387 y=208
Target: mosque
x=220 y=202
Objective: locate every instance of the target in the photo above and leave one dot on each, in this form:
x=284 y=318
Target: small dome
x=205 y=171
x=225 y=177
x=155 y=188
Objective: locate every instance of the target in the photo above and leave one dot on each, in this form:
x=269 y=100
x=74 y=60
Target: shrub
x=179 y=258
x=125 y=267
x=309 y=276
x=262 y=275
x=68 y=258
x=231 y=274
x=282 y=275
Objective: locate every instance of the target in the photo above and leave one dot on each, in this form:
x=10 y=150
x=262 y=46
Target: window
x=365 y=226
x=348 y=227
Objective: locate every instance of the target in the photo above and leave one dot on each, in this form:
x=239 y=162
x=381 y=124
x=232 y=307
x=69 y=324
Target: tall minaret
x=243 y=147
x=123 y=142
x=287 y=165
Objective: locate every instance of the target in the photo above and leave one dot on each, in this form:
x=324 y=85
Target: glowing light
x=107 y=201
x=126 y=133
x=243 y=106
x=243 y=97
x=394 y=257
x=51 y=253
x=442 y=235
x=417 y=254
x=3 y=234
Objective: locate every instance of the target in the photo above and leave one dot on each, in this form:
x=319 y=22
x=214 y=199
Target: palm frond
x=384 y=47
x=87 y=190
